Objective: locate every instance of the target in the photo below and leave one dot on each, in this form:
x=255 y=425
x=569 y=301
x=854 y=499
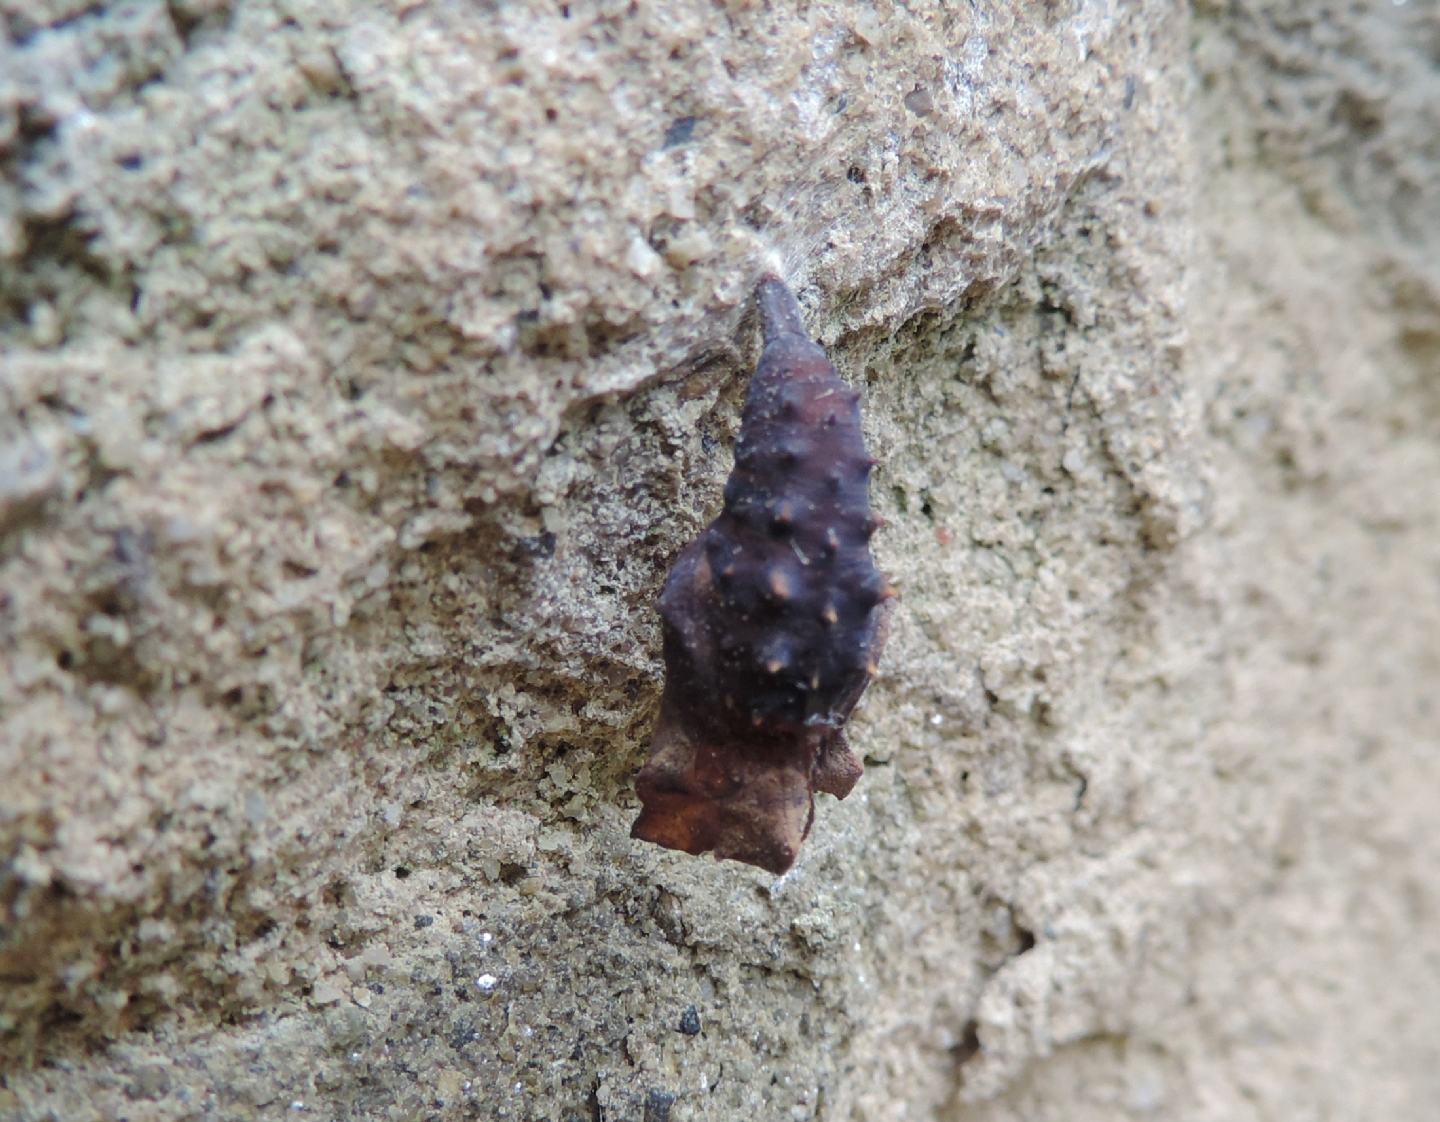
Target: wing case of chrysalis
x=773 y=619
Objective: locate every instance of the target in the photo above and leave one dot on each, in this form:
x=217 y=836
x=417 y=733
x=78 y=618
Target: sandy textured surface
x=362 y=369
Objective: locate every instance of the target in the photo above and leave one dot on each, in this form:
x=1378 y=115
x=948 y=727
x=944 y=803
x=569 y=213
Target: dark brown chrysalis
x=773 y=619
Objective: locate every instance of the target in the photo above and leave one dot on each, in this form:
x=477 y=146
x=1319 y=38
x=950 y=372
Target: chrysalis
x=773 y=619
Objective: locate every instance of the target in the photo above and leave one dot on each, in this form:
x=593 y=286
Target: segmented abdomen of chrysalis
x=790 y=552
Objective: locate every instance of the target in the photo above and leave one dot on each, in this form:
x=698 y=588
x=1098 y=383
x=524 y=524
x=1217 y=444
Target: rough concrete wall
x=363 y=369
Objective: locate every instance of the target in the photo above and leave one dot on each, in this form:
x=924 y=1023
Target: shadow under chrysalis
x=773 y=619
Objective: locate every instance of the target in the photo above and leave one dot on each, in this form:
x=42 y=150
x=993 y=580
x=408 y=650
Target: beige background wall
x=363 y=367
